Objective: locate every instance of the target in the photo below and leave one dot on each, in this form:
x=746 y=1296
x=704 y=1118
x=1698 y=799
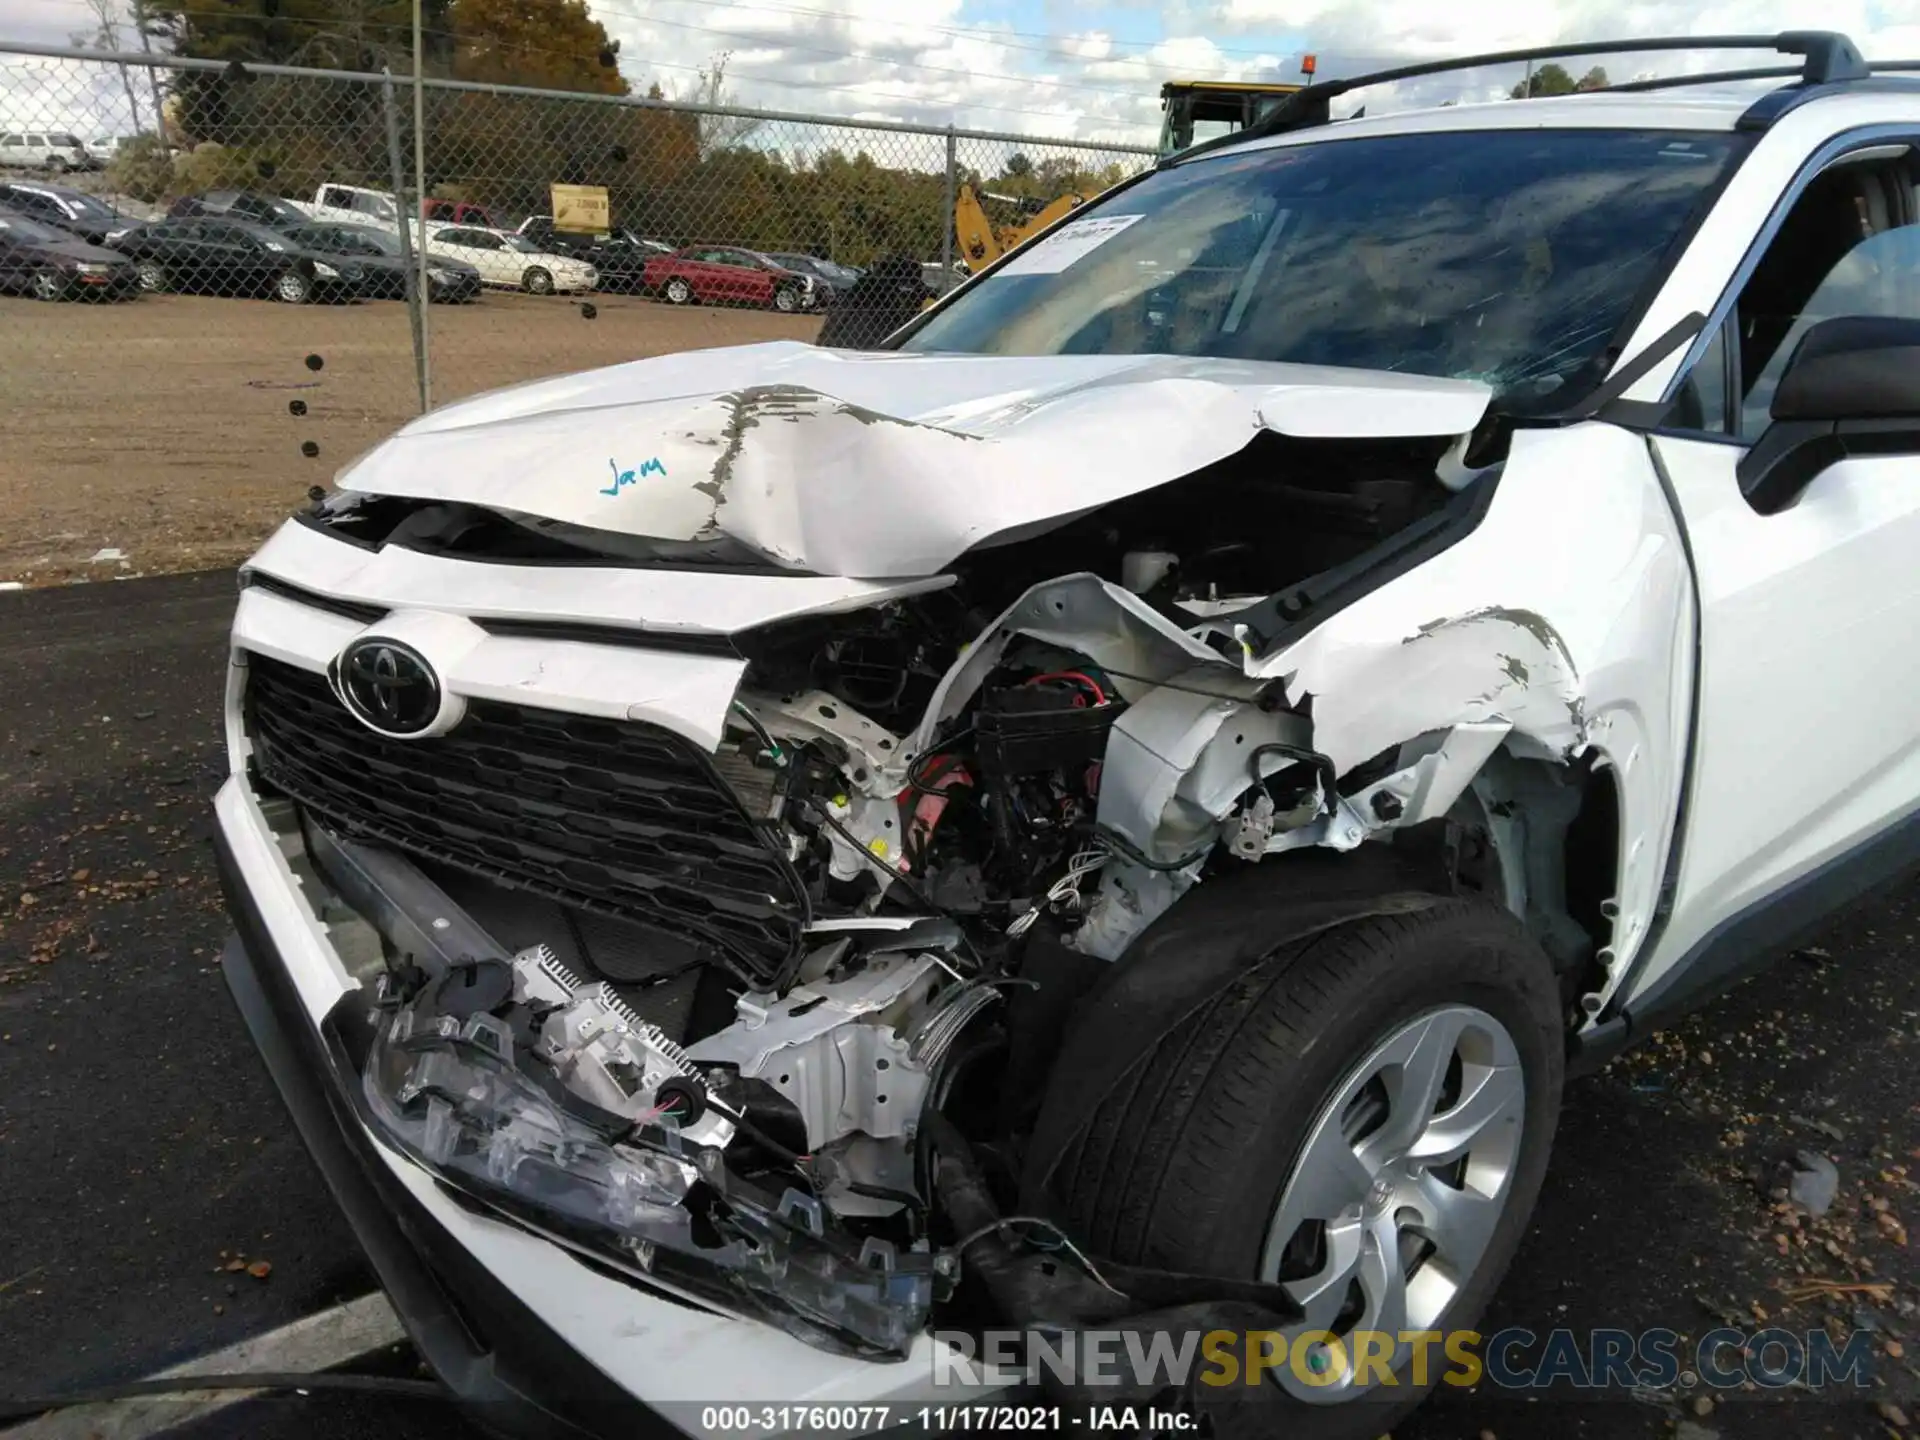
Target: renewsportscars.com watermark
x=1512 y=1359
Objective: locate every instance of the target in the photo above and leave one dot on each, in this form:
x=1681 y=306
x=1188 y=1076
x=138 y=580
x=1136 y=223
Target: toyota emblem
x=388 y=685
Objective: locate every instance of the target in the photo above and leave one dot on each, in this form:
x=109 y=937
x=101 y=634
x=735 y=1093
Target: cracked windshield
x=1509 y=257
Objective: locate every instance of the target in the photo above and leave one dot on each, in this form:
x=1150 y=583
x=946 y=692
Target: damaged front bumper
x=533 y=1335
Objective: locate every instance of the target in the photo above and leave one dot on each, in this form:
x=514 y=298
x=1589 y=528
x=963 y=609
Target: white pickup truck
x=758 y=868
x=358 y=205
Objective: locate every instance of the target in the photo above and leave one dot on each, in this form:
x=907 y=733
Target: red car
x=726 y=275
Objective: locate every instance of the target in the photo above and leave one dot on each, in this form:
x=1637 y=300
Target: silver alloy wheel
x=1398 y=1190
x=785 y=300
x=293 y=288
x=47 y=285
x=153 y=275
x=537 y=281
x=678 y=291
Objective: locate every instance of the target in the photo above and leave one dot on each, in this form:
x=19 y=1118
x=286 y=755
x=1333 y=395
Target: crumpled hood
x=876 y=465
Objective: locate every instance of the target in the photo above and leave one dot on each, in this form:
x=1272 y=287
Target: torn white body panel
x=876 y=465
x=1588 y=649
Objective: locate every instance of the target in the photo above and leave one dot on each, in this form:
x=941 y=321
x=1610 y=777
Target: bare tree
x=718 y=132
x=105 y=35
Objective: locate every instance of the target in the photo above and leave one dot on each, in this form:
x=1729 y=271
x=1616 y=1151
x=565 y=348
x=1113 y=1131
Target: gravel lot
x=160 y=427
x=142 y=1150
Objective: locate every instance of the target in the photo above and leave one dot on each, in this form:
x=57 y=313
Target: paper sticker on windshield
x=1059 y=250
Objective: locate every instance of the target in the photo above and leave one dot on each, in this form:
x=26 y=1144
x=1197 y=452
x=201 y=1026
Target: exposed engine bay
x=977 y=796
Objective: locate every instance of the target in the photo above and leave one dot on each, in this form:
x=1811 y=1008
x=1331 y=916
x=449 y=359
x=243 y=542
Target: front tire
x=153 y=276
x=47 y=285
x=785 y=300
x=537 y=281
x=678 y=292
x=1363 y=1117
x=294 y=288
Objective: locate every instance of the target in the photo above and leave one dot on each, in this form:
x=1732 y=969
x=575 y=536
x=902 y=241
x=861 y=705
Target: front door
x=1808 y=741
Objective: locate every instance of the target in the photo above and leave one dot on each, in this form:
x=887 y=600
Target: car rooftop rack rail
x=1830 y=59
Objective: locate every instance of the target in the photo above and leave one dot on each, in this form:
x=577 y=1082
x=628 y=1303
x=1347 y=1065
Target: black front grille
x=614 y=816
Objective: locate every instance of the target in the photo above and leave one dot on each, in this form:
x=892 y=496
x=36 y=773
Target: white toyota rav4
x=1120 y=810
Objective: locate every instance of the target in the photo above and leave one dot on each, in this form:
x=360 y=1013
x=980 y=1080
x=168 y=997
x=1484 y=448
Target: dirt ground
x=160 y=428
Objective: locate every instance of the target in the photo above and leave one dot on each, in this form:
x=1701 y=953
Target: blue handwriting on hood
x=624 y=478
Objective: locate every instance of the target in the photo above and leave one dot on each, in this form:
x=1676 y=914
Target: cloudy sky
x=1093 y=68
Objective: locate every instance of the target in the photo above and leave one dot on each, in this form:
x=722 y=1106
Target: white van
x=53 y=150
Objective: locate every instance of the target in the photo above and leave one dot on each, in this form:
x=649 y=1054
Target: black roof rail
x=1884 y=75
x=1890 y=69
x=1831 y=58
x=1706 y=77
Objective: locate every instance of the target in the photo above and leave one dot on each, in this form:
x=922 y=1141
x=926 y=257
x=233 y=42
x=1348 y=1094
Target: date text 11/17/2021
x=723 y=1420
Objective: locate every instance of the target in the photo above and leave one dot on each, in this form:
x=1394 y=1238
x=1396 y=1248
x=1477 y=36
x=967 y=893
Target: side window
x=13 y=142
x=1849 y=246
x=1704 y=400
x=338 y=199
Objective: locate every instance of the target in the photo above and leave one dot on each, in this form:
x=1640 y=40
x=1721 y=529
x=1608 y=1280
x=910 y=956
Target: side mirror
x=1851 y=387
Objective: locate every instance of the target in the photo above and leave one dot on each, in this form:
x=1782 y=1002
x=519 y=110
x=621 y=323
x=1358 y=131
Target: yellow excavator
x=982 y=241
x=1196 y=110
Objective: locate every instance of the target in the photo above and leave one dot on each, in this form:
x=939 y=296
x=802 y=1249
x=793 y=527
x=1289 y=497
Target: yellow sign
x=581 y=209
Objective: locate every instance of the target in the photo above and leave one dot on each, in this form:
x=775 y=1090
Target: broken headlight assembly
x=501 y=1078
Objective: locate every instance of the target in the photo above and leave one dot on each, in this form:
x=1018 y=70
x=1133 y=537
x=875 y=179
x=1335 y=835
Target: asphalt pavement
x=157 y=1206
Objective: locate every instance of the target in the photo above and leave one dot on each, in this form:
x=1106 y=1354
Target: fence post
x=416 y=291
x=419 y=216
x=153 y=81
x=946 y=218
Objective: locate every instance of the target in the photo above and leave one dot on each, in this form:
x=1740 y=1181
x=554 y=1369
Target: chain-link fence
x=275 y=230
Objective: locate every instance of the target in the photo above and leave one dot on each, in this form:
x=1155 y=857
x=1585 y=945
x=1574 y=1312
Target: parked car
x=234 y=258
x=941 y=279
x=51 y=264
x=540 y=229
x=728 y=275
x=240 y=205
x=457 y=212
x=1189 y=747
x=831 y=280
x=87 y=216
x=106 y=148
x=880 y=302
x=378 y=253
x=506 y=259
x=51 y=150
x=618 y=256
